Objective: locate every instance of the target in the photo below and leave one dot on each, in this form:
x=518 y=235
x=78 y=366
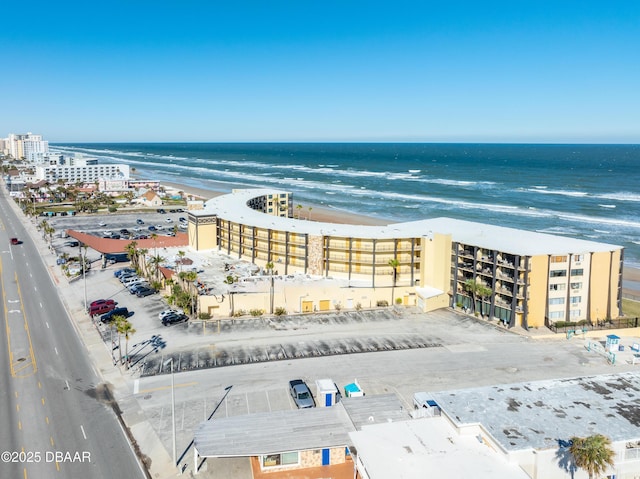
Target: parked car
x=139 y=237
x=98 y=302
x=122 y=271
x=182 y=219
x=166 y=312
x=135 y=287
x=159 y=227
x=139 y=221
x=132 y=280
x=72 y=244
x=127 y=276
x=107 y=318
x=99 y=309
x=301 y=394
x=145 y=291
x=152 y=228
x=174 y=319
x=107 y=233
x=124 y=231
x=168 y=220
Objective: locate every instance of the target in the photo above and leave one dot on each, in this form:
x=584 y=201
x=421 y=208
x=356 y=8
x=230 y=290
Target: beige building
x=532 y=278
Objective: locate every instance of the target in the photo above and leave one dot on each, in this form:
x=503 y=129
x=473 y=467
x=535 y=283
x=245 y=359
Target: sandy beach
x=631 y=276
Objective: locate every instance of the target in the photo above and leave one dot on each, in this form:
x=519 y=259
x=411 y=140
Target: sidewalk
x=142 y=436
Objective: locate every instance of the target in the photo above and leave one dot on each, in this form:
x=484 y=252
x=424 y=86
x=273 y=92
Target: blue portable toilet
x=613 y=343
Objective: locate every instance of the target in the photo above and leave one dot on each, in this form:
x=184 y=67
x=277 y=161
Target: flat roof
x=429 y=447
x=537 y=414
x=233 y=207
x=274 y=432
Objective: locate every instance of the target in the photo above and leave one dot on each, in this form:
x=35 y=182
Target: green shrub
x=358 y=306
x=382 y=303
x=337 y=306
x=256 y=312
x=112 y=209
x=280 y=311
x=398 y=301
x=204 y=316
x=240 y=312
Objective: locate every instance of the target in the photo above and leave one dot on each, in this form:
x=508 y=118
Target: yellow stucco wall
x=435 y=262
x=537 y=290
x=604 y=291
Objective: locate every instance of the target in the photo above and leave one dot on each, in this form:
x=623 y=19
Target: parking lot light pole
x=173 y=410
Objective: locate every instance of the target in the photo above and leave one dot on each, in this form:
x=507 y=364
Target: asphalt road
x=56 y=414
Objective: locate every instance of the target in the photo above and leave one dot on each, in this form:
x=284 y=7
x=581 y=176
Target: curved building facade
x=533 y=278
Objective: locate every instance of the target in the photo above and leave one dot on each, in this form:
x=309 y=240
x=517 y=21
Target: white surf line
x=47 y=323
x=83 y=433
x=67 y=383
x=56 y=350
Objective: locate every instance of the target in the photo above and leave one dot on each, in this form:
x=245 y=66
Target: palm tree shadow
x=564 y=457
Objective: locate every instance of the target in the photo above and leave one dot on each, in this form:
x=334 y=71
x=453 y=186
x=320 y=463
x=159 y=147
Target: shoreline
x=630 y=274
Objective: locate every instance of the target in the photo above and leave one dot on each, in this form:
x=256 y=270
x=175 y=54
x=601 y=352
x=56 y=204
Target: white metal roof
x=233 y=207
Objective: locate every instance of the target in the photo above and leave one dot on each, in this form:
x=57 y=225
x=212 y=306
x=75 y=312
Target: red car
x=99 y=302
x=15 y=241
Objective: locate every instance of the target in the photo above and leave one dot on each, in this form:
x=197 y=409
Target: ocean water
x=583 y=191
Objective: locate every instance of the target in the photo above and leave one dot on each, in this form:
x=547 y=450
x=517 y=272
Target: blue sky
x=136 y=70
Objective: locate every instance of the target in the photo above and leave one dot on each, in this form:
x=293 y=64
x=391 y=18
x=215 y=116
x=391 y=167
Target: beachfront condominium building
x=84 y=173
x=522 y=278
x=28 y=146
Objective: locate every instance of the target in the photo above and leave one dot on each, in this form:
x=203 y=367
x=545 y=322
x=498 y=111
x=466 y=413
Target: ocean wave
x=620 y=196
x=558 y=192
x=607 y=206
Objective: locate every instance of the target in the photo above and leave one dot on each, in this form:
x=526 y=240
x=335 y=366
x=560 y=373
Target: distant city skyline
x=540 y=72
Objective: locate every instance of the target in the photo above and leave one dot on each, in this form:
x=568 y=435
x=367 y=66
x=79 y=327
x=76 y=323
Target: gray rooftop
x=297 y=430
x=367 y=410
x=274 y=432
x=538 y=414
x=234 y=207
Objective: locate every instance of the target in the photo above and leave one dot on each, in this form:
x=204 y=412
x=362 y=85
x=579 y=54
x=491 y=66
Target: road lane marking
x=42 y=401
x=67 y=383
x=51 y=441
x=56 y=350
x=83 y=433
x=136 y=386
x=47 y=323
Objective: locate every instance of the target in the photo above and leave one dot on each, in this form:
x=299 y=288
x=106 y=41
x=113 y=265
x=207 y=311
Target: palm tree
x=125 y=327
x=181 y=255
x=394 y=263
x=156 y=261
x=309 y=217
x=269 y=267
x=484 y=292
x=593 y=454
x=132 y=252
x=299 y=207
x=472 y=285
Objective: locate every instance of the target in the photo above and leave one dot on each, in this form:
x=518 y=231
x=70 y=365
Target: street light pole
x=173 y=410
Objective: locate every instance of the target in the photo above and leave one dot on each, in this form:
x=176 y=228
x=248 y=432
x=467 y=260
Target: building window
x=577 y=285
x=284 y=459
x=577 y=272
x=558 y=259
x=556 y=315
x=556 y=301
x=576 y=299
x=558 y=273
x=575 y=313
x=557 y=287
